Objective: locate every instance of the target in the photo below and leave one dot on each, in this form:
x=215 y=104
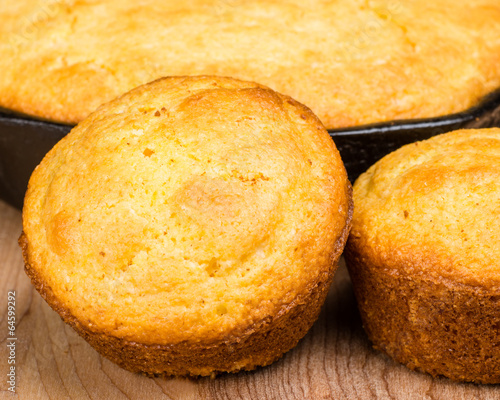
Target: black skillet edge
x=24 y=141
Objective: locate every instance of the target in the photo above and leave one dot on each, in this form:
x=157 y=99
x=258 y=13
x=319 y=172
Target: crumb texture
x=352 y=62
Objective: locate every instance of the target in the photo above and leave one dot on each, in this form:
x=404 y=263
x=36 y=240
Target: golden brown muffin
x=423 y=255
x=189 y=227
x=352 y=62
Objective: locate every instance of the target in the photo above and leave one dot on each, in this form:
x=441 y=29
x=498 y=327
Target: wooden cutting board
x=334 y=361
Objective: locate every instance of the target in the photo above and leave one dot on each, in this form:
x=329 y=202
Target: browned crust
x=439 y=327
x=262 y=344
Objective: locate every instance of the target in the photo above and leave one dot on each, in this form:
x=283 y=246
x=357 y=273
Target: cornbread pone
x=191 y=226
x=352 y=62
x=423 y=255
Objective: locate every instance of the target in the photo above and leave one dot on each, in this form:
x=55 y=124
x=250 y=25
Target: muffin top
x=433 y=208
x=352 y=62
x=187 y=208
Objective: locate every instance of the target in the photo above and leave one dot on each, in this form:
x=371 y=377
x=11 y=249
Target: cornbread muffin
x=352 y=62
x=189 y=227
x=423 y=255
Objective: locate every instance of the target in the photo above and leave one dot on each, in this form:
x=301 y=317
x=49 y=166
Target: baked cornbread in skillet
x=352 y=62
x=191 y=226
x=423 y=254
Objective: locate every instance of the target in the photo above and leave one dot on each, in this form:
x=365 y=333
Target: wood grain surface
x=334 y=361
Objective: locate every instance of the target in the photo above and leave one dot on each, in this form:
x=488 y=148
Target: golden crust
x=423 y=255
x=351 y=62
x=260 y=345
x=191 y=226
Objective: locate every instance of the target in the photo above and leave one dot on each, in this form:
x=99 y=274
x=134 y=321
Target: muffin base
x=439 y=327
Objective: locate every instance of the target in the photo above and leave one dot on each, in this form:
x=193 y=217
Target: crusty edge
x=442 y=328
x=262 y=344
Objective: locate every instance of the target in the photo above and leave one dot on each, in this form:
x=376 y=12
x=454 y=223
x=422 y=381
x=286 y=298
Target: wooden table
x=334 y=361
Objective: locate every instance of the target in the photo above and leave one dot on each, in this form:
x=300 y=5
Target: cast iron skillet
x=24 y=141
